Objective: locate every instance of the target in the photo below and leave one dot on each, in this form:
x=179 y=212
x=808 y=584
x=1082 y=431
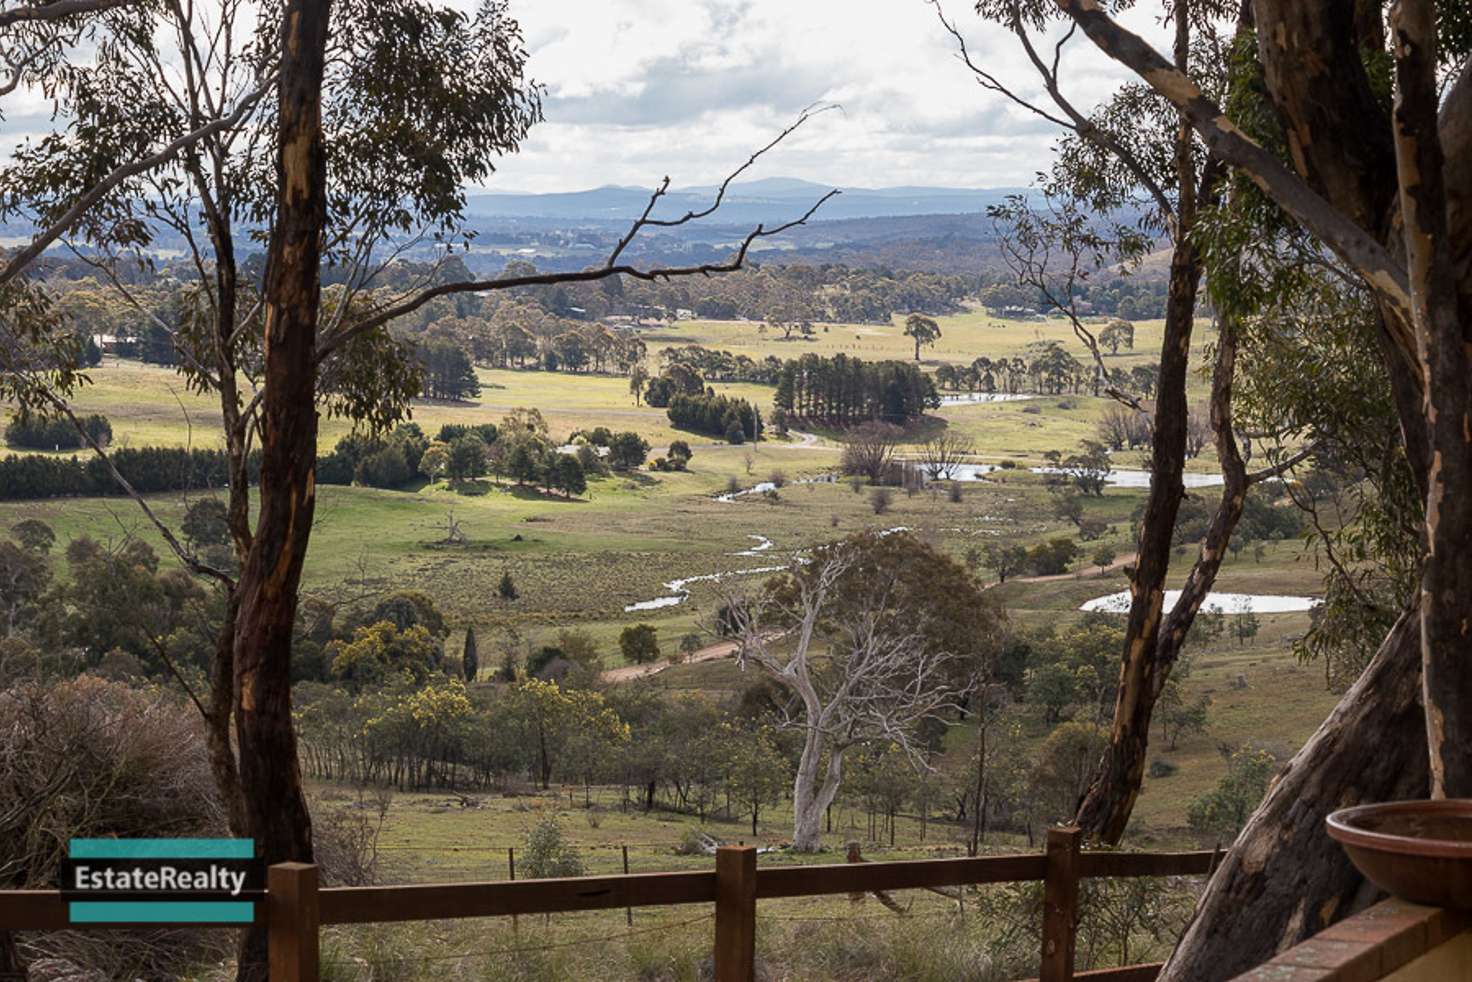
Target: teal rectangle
x=162 y=848
x=157 y=912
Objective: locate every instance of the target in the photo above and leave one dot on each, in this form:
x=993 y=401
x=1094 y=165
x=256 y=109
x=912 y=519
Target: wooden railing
x=296 y=908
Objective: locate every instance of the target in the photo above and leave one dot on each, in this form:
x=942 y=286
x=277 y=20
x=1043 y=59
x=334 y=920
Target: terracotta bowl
x=1420 y=851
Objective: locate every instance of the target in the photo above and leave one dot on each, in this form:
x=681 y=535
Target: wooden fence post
x=854 y=856
x=628 y=911
x=1060 y=904
x=735 y=914
x=511 y=866
x=292 y=922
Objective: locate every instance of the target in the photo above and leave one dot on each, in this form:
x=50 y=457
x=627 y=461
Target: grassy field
x=964 y=338
x=580 y=563
x=150 y=405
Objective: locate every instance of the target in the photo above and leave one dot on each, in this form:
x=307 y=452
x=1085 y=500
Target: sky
x=637 y=89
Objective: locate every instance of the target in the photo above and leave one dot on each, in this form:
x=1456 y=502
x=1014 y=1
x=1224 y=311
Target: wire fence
x=526 y=949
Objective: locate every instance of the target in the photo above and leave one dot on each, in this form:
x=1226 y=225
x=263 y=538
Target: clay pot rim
x=1342 y=828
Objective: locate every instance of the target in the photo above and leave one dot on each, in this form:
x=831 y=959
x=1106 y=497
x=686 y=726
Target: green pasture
x=964 y=338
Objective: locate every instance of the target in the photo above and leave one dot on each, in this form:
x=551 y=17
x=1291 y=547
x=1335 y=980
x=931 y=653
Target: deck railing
x=296 y=907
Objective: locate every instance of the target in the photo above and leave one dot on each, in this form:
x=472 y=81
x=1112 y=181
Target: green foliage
x=565 y=474
x=1065 y=765
x=380 y=651
x=1223 y=810
x=1052 y=557
x=34 y=535
x=627 y=450
x=470 y=656
x=205 y=523
x=923 y=330
x=548 y=853
x=149 y=470
x=757 y=772
x=734 y=419
x=35 y=432
x=447 y=371
x=1005 y=560
x=849 y=391
x=466 y=458
x=679 y=454
x=506 y=588
x=639 y=643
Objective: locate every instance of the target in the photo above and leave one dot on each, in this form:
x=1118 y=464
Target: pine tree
x=470 y=658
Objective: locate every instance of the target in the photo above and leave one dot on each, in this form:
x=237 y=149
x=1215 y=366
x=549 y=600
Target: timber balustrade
x=296 y=907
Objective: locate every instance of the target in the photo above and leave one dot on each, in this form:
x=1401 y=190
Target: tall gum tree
x=333 y=189
x=1133 y=148
x=872 y=636
x=1388 y=197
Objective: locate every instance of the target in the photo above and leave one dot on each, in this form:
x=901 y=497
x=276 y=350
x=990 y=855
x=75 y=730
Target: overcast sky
x=637 y=89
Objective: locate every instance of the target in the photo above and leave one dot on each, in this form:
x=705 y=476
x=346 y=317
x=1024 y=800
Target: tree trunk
x=12 y=966
x=1443 y=332
x=1106 y=807
x=1284 y=878
x=810 y=798
x=223 y=765
x=275 y=806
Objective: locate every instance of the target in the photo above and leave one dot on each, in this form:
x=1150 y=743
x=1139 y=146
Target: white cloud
x=637 y=89
x=640 y=89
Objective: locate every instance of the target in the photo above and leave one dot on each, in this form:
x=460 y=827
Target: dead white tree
x=843 y=634
x=944 y=453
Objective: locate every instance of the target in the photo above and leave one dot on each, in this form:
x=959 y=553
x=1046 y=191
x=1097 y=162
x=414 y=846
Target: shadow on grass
x=525 y=492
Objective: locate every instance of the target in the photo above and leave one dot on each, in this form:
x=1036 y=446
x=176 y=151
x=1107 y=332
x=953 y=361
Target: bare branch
x=56 y=10
x=736 y=262
x=1385 y=275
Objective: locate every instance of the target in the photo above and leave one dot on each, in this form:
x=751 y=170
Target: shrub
x=135 y=764
x=627 y=450
x=34 y=432
x=1223 y=810
x=549 y=854
x=387 y=468
x=149 y=470
x=1052 y=557
x=1162 y=768
x=880 y=500
x=639 y=643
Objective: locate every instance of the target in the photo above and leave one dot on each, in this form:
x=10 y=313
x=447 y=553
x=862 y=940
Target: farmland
x=580 y=562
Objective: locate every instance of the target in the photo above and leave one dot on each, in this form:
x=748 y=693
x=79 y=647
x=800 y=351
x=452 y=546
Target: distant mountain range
x=771 y=201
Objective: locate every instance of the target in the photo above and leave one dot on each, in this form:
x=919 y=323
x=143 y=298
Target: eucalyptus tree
x=871 y=637
x=1365 y=148
x=383 y=113
x=1126 y=173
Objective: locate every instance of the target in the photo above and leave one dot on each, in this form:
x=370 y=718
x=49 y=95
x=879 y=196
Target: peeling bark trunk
x=1284 y=878
x=275 y=806
x=1443 y=332
x=1149 y=654
x=810 y=799
x=223 y=765
x=1106 y=807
